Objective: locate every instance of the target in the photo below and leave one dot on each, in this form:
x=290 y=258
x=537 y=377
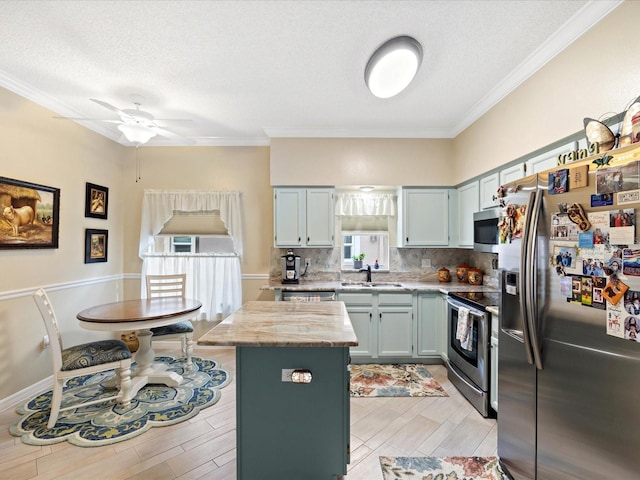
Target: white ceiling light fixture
x=136 y=133
x=366 y=188
x=393 y=66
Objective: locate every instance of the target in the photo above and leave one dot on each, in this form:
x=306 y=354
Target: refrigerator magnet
x=614 y=290
x=559 y=181
x=603 y=200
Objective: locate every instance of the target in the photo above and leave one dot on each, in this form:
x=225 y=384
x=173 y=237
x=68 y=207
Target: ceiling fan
x=136 y=125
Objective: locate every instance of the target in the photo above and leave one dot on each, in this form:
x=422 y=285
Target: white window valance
x=158 y=207
x=352 y=204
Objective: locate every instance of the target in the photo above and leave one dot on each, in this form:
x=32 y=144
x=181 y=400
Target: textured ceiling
x=245 y=71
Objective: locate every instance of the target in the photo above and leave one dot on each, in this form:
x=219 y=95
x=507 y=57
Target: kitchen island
x=286 y=429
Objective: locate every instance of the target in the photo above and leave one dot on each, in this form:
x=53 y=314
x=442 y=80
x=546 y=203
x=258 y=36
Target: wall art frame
x=96 y=243
x=29 y=215
x=96 y=201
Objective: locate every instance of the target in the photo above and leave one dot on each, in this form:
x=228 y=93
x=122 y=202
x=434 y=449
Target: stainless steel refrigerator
x=568 y=392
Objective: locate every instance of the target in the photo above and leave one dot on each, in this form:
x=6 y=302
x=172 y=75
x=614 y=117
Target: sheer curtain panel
x=213 y=279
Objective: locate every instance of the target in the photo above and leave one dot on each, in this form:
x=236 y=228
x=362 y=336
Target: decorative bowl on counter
x=444 y=275
x=462 y=272
x=474 y=276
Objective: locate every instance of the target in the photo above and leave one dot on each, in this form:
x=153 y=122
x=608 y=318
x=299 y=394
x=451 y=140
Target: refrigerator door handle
x=532 y=286
x=523 y=283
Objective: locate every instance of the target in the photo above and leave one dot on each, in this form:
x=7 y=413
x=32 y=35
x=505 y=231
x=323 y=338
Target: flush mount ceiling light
x=136 y=133
x=366 y=188
x=393 y=66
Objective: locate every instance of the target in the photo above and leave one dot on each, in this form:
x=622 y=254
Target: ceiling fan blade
x=108 y=106
x=174 y=120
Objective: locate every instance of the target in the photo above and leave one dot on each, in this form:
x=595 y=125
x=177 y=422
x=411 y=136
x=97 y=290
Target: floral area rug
x=106 y=423
x=393 y=380
x=442 y=468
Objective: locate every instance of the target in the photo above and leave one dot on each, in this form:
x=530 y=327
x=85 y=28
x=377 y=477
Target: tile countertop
x=378 y=286
x=284 y=324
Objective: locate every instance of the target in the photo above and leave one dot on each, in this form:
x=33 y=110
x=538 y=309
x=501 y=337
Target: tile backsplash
x=405 y=264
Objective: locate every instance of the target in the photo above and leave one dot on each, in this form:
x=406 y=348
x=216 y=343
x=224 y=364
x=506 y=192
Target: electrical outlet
x=45 y=341
x=494 y=263
x=426 y=262
x=286 y=374
x=307 y=262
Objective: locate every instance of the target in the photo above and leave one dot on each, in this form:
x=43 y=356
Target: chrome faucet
x=368 y=270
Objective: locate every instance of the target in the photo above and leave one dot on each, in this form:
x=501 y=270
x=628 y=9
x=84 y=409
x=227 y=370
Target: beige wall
x=243 y=169
x=361 y=161
x=597 y=74
x=37 y=148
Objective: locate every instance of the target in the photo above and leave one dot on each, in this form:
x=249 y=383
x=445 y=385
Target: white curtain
x=214 y=280
x=158 y=207
x=353 y=204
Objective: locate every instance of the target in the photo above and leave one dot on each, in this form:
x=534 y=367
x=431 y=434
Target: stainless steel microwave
x=486 y=236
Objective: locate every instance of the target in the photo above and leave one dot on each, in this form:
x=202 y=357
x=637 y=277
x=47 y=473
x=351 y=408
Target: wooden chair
x=172 y=286
x=85 y=359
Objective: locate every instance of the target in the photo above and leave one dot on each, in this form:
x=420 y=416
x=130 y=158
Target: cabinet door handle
x=407 y=239
x=299 y=239
x=307 y=239
x=370 y=316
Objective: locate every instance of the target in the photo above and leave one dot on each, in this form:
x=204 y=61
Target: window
x=183 y=244
x=202 y=244
x=368 y=234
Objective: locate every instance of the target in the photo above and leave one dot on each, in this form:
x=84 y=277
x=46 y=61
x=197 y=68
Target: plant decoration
x=358 y=258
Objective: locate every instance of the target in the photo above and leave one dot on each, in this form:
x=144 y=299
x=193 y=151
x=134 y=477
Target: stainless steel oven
x=469 y=369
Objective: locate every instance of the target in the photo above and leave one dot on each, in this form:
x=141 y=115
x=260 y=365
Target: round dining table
x=142 y=315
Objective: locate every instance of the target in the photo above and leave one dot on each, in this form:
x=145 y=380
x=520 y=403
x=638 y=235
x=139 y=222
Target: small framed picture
x=95 y=245
x=96 y=201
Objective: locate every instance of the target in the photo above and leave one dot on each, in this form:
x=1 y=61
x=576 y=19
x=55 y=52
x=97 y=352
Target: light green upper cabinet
x=320 y=217
x=489 y=190
x=425 y=217
x=548 y=159
x=303 y=217
x=468 y=204
x=512 y=173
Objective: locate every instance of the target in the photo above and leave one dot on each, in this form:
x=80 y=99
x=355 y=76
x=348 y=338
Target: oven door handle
x=457 y=305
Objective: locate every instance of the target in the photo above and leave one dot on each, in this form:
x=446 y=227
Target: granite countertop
x=399 y=286
x=284 y=324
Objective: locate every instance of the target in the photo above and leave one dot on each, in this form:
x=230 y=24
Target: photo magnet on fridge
x=559 y=181
x=602 y=200
x=578 y=177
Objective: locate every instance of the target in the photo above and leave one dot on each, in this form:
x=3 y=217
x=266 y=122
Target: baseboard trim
x=26 y=393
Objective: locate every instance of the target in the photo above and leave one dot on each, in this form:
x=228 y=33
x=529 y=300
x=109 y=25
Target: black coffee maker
x=290 y=268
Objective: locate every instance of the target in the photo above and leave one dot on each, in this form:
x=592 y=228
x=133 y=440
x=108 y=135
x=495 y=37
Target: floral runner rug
x=442 y=468
x=105 y=423
x=393 y=380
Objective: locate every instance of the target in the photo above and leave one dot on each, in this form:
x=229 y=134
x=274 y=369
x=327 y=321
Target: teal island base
x=292 y=431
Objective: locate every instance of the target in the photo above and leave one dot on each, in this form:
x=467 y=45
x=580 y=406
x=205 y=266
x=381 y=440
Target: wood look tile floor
x=204 y=446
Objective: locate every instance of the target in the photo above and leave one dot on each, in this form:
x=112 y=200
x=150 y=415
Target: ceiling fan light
x=136 y=134
x=393 y=66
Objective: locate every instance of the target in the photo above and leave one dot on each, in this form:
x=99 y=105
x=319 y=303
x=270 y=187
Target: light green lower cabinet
x=362 y=321
x=395 y=331
x=396 y=326
x=361 y=309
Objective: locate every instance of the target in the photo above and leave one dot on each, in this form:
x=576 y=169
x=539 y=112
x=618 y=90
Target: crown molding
x=356 y=133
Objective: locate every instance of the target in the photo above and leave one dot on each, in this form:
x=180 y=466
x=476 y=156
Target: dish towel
x=463 y=330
